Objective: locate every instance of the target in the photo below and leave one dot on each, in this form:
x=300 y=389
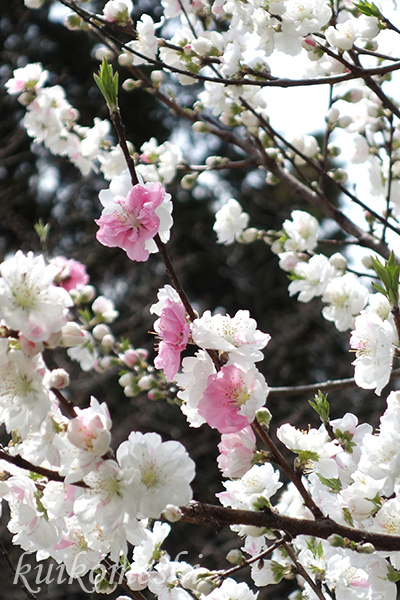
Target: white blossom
x=230 y=222
x=29 y=302
x=372 y=340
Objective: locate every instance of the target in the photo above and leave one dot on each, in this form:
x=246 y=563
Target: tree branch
x=217 y=516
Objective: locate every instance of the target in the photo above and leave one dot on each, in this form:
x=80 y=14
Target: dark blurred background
x=304 y=347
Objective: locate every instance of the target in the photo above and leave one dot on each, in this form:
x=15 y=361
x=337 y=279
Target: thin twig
x=301 y=571
x=335 y=384
x=22 y=463
x=11 y=566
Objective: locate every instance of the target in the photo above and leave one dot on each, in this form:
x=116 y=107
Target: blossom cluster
x=102 y=500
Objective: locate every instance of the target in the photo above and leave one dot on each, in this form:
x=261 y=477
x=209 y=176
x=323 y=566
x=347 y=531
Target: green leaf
x=279 y=571
x=335 y=485
x=315 y=547
x=345 y=437
x=368 y=8
x=379 y=288
x=107 y=82
x=347 y=517
x=392 y=574
x=306 y=455
x=389 y=275
x=321 y=406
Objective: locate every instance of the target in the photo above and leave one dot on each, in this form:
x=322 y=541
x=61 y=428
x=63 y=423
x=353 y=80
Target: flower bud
x=188 y=181
x=58 y=379
x=367 y=262
x=344 y=121
x=74 y=22
x=332 y=116
x=100 y=331
x=125 y=379
x=200 y=127
x=263 y=416
x=334 y=151
x=147 y=382
x=235 y=557
x=248 y=236
x=366 y=548
x=108 y=341
x=155 y=394
x=72 y=335
x=338 y=175
x=86 y=294
x=130 y=357
x=142 y=353
x=196 y=578
x=337 y=541
x=172 y=513
x=157 y=77
x=338 y=261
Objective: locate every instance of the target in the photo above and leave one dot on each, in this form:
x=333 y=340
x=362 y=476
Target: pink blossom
x=232 y=397
x=132 y=221
x=236 y=452
x=71 y=273
x=173 y=330
x=90 y=430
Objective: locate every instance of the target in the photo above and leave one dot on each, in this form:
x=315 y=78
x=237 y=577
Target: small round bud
x=125 y=380
x=142 y=353
x=106 y=363
x=188 y=181
x=129 y=85
x=86 y=294
x=271 y=179
x=338 y=175
x=172 y=513
x=155 y=394
x=58 y=379
x=263 y=416
x=235 y=557
x=200 y=127
x=73 y=22
x=248 y=236
x=147 y=382
x=72 y=335
x=101 y=51
x=100 y=331
x=338 y=261
x=205 y=586
x=367 y=262
x=108 y=341
x=344 y=121
x=332 y=116
x=157 y=77
x=366 y=548
x=334 y=151
x=130 y=357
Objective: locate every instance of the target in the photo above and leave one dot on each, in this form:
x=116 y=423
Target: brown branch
x=322 y=203
x=301 y=571
x=218 y=516
x=182 y=294
x=22 y=463
x=66 y=404
x=120 y=129
x=281 y=461
x=98 y=23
